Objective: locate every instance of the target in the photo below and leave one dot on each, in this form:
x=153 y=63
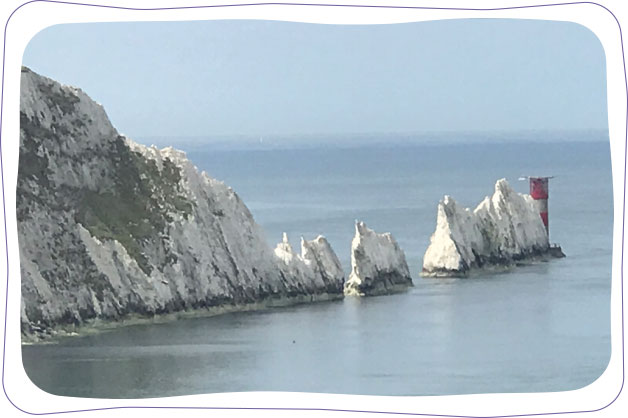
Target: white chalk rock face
x=317 y=267
x=502 y=229
x=109 y=228
x=378 y=264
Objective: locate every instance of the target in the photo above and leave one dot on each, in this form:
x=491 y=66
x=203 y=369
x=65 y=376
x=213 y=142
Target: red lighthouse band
x=539 y=190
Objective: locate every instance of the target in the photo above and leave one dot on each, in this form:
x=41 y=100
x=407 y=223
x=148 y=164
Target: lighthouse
x=539 y=191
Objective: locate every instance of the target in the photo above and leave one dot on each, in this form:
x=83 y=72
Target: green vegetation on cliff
x=137 y=208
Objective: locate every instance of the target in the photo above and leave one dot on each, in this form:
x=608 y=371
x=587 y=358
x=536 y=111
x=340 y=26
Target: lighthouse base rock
x=378 y=265
x=503 y=229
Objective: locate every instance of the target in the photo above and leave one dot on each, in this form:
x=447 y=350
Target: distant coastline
x=353 y=140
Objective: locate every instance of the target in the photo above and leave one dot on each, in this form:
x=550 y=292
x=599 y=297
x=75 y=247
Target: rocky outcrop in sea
x=378 y=264
x=109 y=228
x=317 y=265
x=501 y=230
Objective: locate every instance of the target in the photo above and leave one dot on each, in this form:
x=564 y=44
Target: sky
x=246 y=77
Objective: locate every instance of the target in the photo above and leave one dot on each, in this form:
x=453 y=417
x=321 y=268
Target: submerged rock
x=378 y=264
x=501 y=230
x=109 y=228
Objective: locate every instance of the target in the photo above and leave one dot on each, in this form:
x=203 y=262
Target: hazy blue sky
x=264 y=77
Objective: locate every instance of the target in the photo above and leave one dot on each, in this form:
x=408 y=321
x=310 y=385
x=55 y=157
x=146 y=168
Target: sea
x=534 y=328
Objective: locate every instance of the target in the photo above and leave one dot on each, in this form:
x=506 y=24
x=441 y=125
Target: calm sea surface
x=544 y=327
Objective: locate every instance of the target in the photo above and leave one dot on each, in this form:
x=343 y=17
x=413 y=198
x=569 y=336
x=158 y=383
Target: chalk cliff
x=109 y=228
x=378 y=264
x=501 y=230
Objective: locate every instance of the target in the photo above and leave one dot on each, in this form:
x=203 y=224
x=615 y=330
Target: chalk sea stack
x=317 y=266
x=378 y=264
x=502 y=230
x=109 y=228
